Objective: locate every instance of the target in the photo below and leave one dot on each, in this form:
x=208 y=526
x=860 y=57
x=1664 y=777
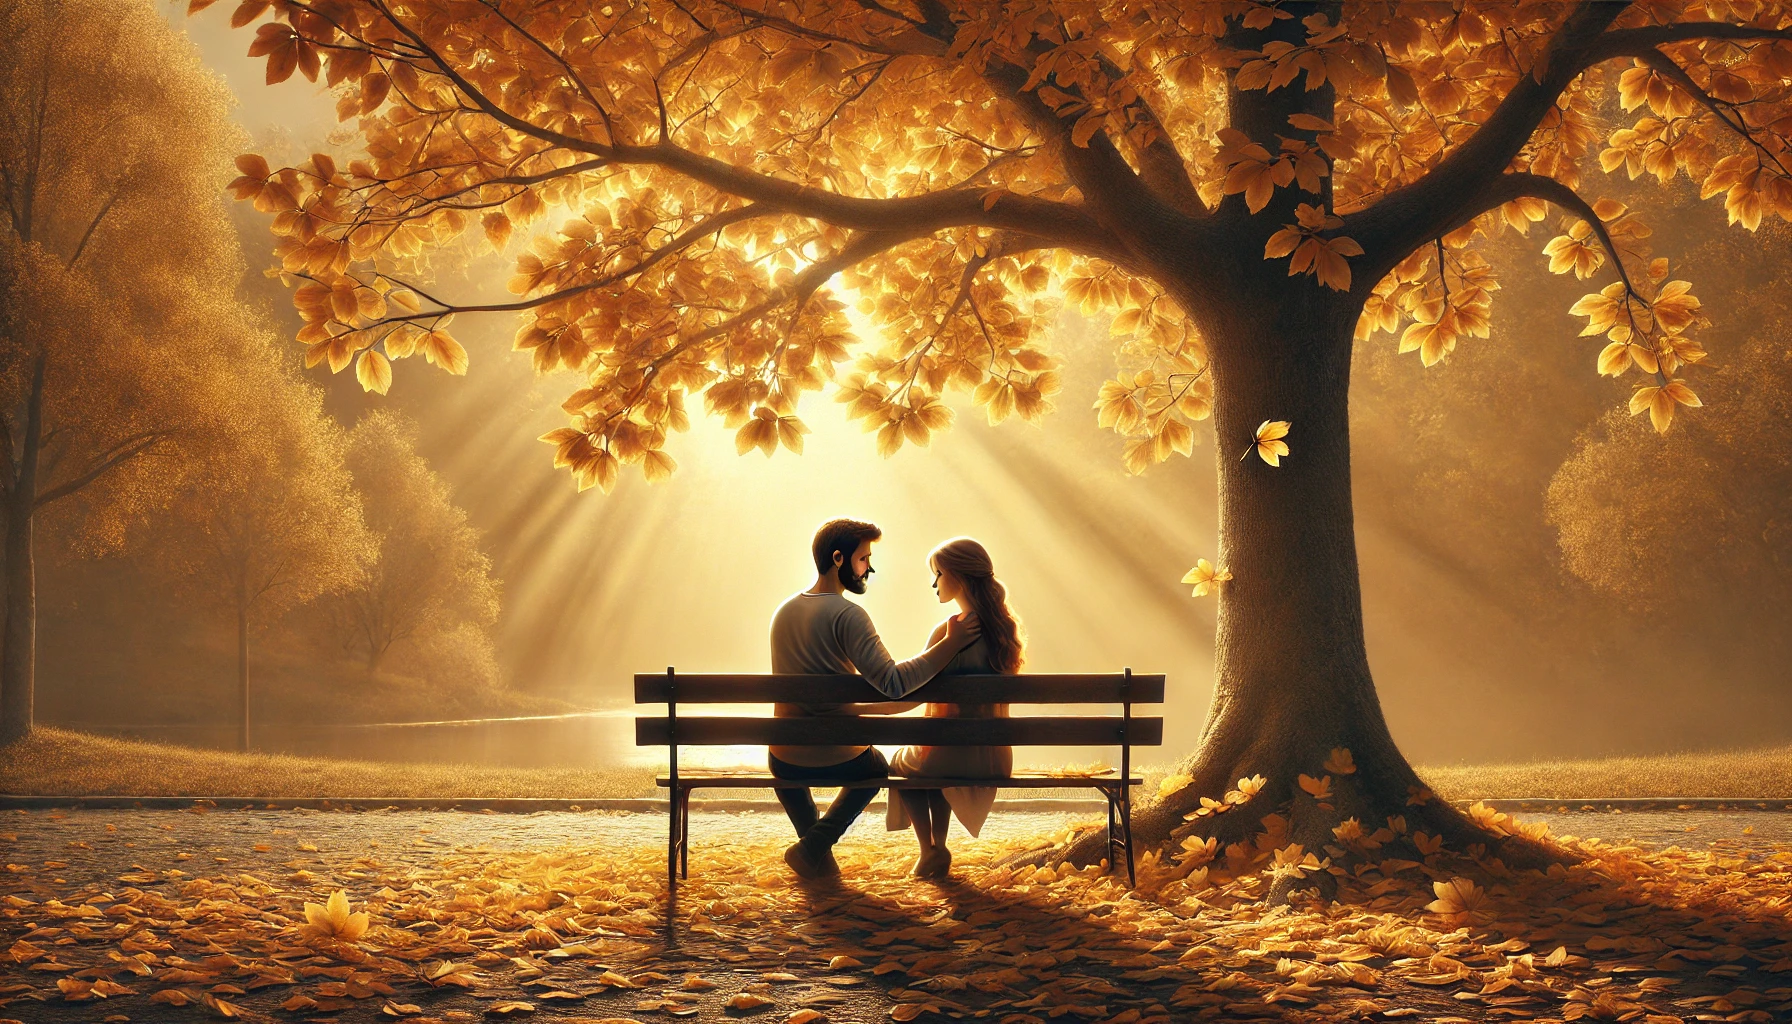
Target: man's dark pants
x=821 y=833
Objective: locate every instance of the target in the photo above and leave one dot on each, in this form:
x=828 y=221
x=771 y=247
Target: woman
x=962 y=573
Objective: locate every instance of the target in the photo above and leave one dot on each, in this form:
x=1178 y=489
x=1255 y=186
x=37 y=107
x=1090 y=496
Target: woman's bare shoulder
x=939 y=632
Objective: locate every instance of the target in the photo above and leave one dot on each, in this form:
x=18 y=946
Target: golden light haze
x=1470 y=658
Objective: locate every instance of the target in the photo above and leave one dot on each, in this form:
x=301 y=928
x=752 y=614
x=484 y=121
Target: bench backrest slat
x=947 y=732
x=1042 y=688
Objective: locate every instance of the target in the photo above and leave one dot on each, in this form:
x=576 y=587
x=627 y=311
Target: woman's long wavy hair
x=966 y=559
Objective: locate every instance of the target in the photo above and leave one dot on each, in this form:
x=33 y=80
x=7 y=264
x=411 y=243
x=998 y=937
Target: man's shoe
x=807 y=865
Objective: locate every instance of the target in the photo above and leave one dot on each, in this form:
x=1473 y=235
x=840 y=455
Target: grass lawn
x=57 y=762
x=1763 y=772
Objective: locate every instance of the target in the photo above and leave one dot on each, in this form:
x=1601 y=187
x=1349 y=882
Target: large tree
x=113 y=313
x=1251 y=188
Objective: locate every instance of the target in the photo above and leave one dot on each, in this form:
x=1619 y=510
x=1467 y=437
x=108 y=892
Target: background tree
x=1697 y=517
x=270 y=520
x=1175 y=163
x=429 y=577
x=109 y=306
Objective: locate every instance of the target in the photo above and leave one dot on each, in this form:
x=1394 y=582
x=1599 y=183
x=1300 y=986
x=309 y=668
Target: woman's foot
x=935 y=862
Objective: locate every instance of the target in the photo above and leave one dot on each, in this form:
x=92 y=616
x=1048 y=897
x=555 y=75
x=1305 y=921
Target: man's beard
x=854 y=584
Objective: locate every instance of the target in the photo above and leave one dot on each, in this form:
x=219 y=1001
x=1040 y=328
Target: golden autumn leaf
x=1293 y=861
x=656 y=466
x=440 y=348
x=374 y=371
x=1661 y=401
x=747 y=1001
x=1458 y=897
x=1173 y=783
x=1576 y=251
x=1268 y=443
x=1340 y=762
x=1206 y=577
x=332 y=920
x=1318 y=789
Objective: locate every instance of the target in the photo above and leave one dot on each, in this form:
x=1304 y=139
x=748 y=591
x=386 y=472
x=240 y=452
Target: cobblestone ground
x=51 y=854
x=69 y=852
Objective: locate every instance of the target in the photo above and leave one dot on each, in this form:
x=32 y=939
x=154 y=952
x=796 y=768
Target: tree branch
x=1664 y=65
x=1521 y=184
x=861 y=247
x=495 y=6
x=94 y=224
x=1408 y=216
x=1634 y=42
x=1070 y=225
x=116 y=456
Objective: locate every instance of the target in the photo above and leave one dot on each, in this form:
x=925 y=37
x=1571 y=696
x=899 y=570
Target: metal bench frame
x=669 y=688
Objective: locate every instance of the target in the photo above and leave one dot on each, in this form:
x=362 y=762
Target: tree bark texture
x=1292 y=671
x=18 y=659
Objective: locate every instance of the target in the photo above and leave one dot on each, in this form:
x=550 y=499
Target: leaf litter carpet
x=270 y=927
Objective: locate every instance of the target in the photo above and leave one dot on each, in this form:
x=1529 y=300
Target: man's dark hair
x=844 y=536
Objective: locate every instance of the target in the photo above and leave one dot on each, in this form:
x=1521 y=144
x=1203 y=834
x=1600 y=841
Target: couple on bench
x=820 y=631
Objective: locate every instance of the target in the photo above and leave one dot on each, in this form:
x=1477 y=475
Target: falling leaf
x=1205 y=576
x=1268 y=443
x=1318 y=789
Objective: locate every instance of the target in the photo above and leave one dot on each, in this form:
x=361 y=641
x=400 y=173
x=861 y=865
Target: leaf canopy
x=695 y=194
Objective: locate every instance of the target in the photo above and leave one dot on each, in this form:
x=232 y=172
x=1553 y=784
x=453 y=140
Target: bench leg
x=674 y=842
x=684 y=835
x=1126 y=830
x=1114 y=833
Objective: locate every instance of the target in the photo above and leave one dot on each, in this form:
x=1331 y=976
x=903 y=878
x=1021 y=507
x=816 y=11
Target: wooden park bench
x=675 y=730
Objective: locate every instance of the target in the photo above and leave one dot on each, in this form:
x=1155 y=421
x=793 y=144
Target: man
x=820 y=632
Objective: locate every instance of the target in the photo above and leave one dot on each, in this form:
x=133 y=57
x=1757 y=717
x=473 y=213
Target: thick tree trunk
x=1293 y=680
x=18 y=660
x=242 y=665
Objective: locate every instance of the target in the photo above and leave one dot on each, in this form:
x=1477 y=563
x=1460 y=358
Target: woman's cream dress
x=970 y=804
